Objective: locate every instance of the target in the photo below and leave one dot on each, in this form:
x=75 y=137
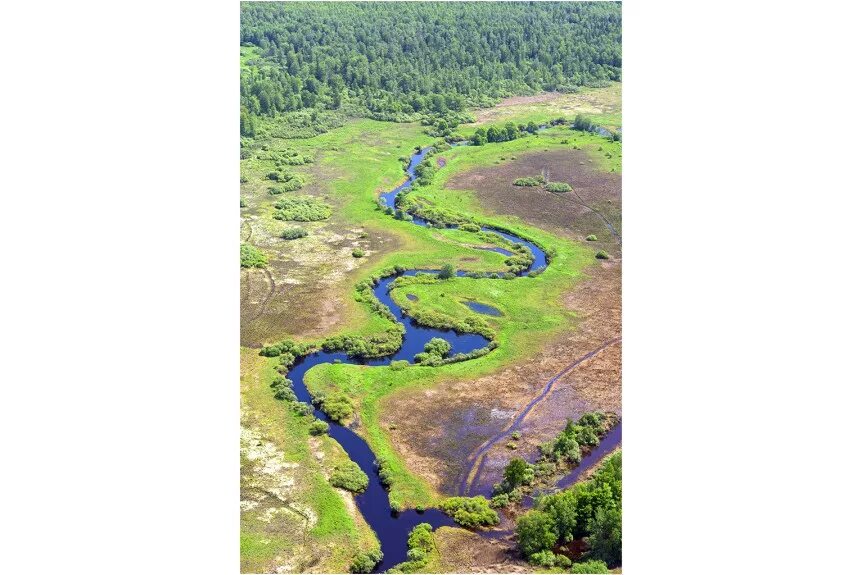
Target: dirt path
x=472 y=471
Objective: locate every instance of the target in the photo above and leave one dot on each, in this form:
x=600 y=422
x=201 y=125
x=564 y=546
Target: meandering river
x=393 y=528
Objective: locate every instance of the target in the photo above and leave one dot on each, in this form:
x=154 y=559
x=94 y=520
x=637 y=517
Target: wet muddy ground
x=439 y=428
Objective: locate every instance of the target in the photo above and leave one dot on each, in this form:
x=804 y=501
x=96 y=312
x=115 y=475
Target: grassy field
x=603 y=105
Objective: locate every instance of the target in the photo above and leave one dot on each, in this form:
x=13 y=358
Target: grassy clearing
x=275 y=527
x=604 y=105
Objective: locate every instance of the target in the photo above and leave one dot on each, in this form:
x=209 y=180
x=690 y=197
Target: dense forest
x=396 y=60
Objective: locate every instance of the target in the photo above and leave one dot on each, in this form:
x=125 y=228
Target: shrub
x=366 y=562
x=350 y=477
x=337 y=407
x=399 y=364
x=242 y=203
x=544 y=558
x=385 y=472
x=517 y=473
x=590 y=567
x=583 y=123
x=602 y=255
x=438 y=346
x=500 y=500
x=358 y=253
x=529 y=182
x=251 y=257
x=468 y=227
x=293 y=233
x=470 y=511
x=446 y=272
x=558 y=187
x=318 y=427
x=592 y=238
x=301 y=209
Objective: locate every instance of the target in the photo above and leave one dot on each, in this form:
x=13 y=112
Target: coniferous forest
x=392 y=61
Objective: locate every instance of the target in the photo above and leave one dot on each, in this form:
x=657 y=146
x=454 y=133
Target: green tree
x=516 y=472
x=535 y=532
x=246 y=123
x=446 y=272
x=606 y=535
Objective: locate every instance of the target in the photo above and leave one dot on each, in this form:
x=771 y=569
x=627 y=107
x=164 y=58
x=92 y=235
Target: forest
x=399 y=61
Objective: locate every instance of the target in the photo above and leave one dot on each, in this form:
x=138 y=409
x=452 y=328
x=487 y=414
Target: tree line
x=395 y=60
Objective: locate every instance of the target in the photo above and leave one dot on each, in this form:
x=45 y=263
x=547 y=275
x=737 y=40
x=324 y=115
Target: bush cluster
x=293 y=233
x=286 y=348
x=434 y=352
x=318 y=427
x=592 y=238
x=290 y=185
x=470 y=512
x=530 y=182
x=301 y=209
x=337 y=406
x=583 y=123
x=602 y=255
x=587 y=567
x=349 y=476
x=369 y=346
x=558 y=187
x=420 y=543
x=366 y=562
x=251 y=257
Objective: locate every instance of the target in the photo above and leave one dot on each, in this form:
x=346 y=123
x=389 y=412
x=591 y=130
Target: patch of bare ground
x=439 y=429
x=302 y=292
x=463 y=551
x=594 y=206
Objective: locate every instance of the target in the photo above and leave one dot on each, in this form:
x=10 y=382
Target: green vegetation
x=470 y=512
x=329 y=532
x=366 y=562
x=293 y=233
x=592 y=566
x=318 y=427
x=446 y=272
x=358 y=253
x=434 y=352
x=592 y=238
x=301 y=80
x=349 y=476
x=602 y=255
x=558 y=187
x=251 y=257
x=319 y=58
x=420 y=545
x=591 y=509
x=520 y=477
x=301 y=209
x=531 y=182
x=583 y=123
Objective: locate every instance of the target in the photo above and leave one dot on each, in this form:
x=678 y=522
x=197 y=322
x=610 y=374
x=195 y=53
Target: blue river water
x=393 y=528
